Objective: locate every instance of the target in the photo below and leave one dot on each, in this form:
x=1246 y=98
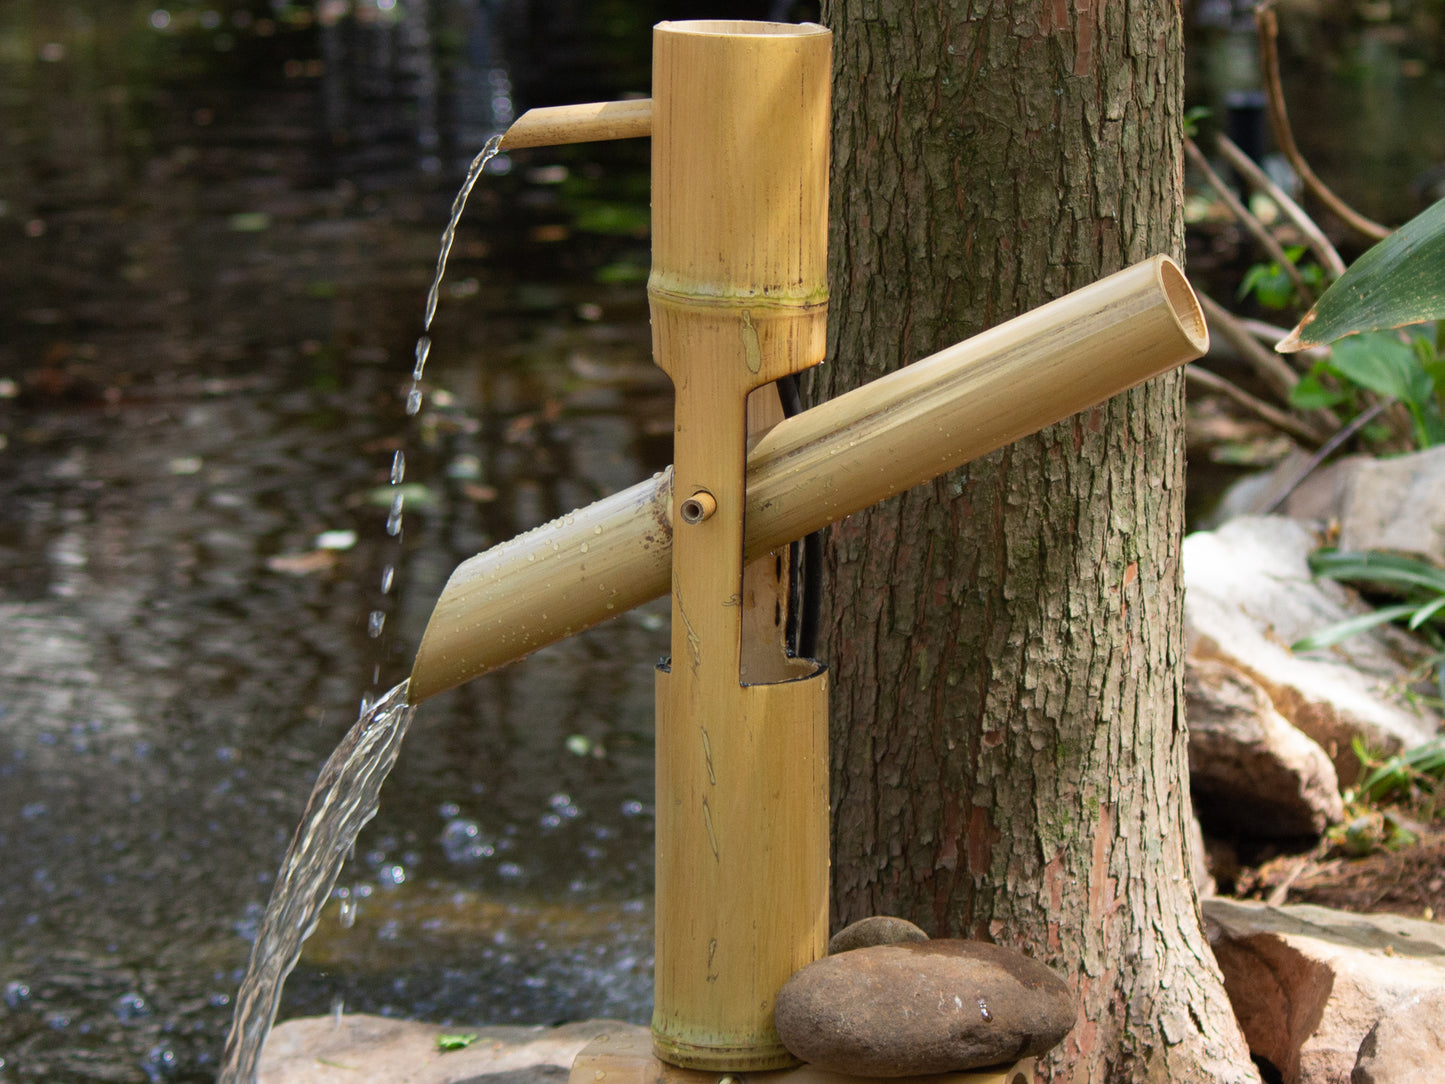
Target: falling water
x=344 y=799
x=347 y=791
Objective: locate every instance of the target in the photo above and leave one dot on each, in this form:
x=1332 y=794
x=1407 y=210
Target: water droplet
x=16 y=994
x=387 y=575
x=398 y=467
x=983 y=1010
x=584 y=547
x=393 y=518
x=423 y=350
x=375 y=621
x=347 y=913
x=413 y=402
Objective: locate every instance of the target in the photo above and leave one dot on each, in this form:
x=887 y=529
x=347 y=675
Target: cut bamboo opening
x=819 y=466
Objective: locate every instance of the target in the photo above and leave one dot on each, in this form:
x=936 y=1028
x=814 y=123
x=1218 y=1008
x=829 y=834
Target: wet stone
x=878 y=930
x=922 y=1007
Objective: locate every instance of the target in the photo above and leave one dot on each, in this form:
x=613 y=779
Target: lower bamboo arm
x=821 y=465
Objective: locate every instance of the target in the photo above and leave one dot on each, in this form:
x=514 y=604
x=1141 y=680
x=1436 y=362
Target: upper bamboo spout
x=819 y=466
x=555 y=125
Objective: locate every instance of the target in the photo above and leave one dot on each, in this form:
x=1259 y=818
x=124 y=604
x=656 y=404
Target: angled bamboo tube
x=819 y=466
x=552 y=126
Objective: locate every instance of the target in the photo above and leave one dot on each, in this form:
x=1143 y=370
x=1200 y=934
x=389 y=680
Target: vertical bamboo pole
x=738 y=294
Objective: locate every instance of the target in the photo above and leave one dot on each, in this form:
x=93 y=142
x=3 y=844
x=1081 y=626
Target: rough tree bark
x=1008 y=730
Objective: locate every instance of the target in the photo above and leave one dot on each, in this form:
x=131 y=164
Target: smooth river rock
x=922 y=1007
x=878 y=930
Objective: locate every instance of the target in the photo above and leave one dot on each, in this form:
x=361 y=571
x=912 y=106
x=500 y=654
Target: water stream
x=347 y=792
x=345 y=798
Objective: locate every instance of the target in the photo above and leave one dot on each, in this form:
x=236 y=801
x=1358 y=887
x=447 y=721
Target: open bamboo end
x=1182 y=300
x=741 y=27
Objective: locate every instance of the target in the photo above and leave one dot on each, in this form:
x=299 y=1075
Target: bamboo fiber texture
x=826 y=463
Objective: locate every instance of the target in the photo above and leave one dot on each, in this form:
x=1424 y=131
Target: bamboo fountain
x=739 y=122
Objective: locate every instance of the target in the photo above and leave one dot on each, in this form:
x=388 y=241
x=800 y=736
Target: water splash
x=345 y=798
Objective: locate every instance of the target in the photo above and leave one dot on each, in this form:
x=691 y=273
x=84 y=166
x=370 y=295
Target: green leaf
x=1400 y=281
x=1381 y=363
x=1310 y=394
x=1377 y=568
x=456 y=1042
x=1328 y=637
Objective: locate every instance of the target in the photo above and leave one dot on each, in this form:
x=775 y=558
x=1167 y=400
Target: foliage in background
x=1411 y=373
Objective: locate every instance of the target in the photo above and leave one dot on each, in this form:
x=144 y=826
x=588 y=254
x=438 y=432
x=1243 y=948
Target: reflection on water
x=217 y=235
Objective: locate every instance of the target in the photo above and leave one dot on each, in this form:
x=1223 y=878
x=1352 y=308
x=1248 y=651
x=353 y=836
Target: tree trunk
x=1007 y=643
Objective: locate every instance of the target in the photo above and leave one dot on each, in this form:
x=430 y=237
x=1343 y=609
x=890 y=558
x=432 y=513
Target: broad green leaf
x=1400 y=281
x=1310 y=394
x=1383 y=364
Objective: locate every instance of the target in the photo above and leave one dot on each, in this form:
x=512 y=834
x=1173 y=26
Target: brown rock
x=359 y=1049
x=1307 y=982
x=1250 y=771
x=878 y=930
x=1406 y=1045
x=922 y=1007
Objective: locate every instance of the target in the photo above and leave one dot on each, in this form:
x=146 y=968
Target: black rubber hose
x=805 y=579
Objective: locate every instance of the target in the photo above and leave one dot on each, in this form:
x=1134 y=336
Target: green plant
x=1404 y=367
x=1400 y=775
x=1273 y=287
x=1420 y=584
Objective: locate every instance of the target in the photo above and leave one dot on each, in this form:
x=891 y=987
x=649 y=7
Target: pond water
x=218 y=221
x=218 y=228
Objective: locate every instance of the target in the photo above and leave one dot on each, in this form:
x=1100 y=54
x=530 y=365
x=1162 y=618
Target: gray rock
x=1398 y=505
x=1249 y=594
x=878 y=930
x=922 y=1007
x=1406 y=1045
x=1251 y=771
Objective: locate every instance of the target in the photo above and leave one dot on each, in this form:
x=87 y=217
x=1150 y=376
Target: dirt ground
x=1407 y=881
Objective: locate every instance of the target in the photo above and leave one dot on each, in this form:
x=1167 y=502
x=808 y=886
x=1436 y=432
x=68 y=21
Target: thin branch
x=1248 y=220
x=1314 y=236
x=1267 y=365
x=1285 y=423
x=1324 y=452
x=1268 y=27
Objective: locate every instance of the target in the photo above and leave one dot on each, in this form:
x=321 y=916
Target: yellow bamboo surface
x=625 y=1057
x=742 y=865
x=738 y=296
x=821 y=465
x=554 y=125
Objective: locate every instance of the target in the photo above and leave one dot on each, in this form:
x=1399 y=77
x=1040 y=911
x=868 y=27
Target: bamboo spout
x=555 y=125
x=819 y=466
